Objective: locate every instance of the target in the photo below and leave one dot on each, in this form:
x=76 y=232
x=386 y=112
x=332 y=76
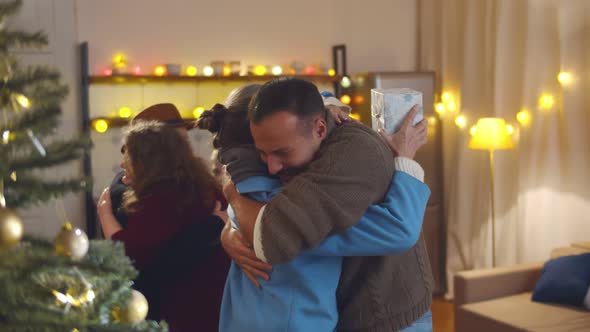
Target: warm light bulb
x=565 y=78
x=191 y=71
x=208 y=71
x=451 y=106
x=260 y=70
x=198 y=111
x=509 y=129
x=107 y=72
x=226 y=70
x=90 y=296
x=23 y=101
x=5 y=137
x=136 y=70
x=446 y=97
x=431 y=120
x=101 y=126
x=160 y=71
x=440 y=108
x=277 y=70
x=119 y=60
x=523 y=117
x=345 y=99
x=331 y=72
x=355 y=116
x=546 y=101
x=473 y=130
x=461 y=121
x=125 y=112
x=358 y=99
x=345 y=82
x=310 y=70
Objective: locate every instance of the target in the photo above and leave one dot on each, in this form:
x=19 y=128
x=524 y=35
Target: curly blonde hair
x=160 y=155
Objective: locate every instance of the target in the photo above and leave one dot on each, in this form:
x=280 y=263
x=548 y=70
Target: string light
x=277 y=70
x=345 y=99
x=226 y=70
x=461 y=121
x=446 y=97
x=101 y=126
x=125 y=112
x=355 y=116
x=13 y=176
x=23 y=100
x=451 y=106
x=546 y=101
x=331 y=72
x=310 y=70
x=136 y=70
x=358 y=99
x=523 y=117
x=260 y=70
x=509 y=129
x=431 y=120
x=197 y=112
x=160 y=70
x=440 y=108
x=5 y=137
x=565 y=78
x=107 y=72
x=208 y=71
x=345 y=82
x=119 y=61
x=68 y=299
x=473 y=130
x=191 y=71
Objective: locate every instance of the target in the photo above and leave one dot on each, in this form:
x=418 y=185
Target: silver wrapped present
x=390 y=106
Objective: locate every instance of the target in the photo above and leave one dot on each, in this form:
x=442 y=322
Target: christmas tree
x=30 y=109
x=71 y=284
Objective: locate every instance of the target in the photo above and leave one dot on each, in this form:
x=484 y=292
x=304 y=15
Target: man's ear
x=320 y=128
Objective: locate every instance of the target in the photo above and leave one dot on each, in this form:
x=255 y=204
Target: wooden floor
x=443 y=317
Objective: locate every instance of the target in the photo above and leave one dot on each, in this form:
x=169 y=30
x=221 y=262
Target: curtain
x=496 y=58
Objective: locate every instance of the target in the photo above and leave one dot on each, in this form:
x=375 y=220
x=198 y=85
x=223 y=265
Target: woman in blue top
x=301 y=294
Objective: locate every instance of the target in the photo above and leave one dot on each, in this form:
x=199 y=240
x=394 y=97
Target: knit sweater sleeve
x=351 y=171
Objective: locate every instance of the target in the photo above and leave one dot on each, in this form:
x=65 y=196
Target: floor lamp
x=491 y=134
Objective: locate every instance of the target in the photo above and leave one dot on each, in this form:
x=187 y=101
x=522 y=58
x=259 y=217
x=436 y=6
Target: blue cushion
x=564 y=280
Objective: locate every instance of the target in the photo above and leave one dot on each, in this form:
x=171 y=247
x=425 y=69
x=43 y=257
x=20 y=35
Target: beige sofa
x=498 y=300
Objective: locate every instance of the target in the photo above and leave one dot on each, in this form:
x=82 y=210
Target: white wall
x=379 y=34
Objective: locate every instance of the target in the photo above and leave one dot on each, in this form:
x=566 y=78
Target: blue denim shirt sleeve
x=390 y=227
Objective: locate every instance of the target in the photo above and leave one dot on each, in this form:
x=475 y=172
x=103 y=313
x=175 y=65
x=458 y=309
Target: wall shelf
x=135 y=79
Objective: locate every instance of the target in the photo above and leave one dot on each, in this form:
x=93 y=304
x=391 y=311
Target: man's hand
x=339 y=115
x=406 y=141
x=237 y=248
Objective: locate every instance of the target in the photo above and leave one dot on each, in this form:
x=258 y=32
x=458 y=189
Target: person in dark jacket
x=165 y=113
x=172 y=235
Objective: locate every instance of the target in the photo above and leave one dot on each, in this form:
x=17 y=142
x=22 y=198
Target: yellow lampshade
x=491 y=134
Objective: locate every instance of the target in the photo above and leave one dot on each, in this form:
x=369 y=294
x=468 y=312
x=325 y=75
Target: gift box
x=390 y=106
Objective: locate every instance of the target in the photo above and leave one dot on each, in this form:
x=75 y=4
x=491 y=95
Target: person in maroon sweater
x=173 y=231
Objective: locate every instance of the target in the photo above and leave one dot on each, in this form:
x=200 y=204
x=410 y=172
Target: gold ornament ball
x=135 y=311
x=11 y=228
x=71 y=242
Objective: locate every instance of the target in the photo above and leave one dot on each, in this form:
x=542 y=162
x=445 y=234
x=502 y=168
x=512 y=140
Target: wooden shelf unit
x=136 y=79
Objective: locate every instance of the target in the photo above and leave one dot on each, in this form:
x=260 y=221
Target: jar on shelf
x=235 y=67
x=217 y=67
